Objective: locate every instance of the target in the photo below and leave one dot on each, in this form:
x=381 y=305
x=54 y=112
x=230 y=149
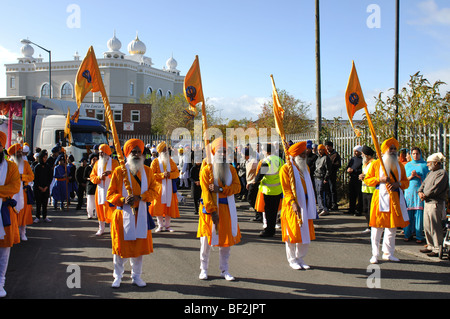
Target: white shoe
x=116 y=283
x=227 y=276
x=23 y=237
x=374 y=260
x=324 y=213
x=304 y=266
x=138 y=282
x=99 y=232
x=367 y=230
x=47 y=220
x=295 y=266
x=2 y=292
x=169 y=229
x=36 y=220
x=203 y=275
x=159 y=229
x=390 y=257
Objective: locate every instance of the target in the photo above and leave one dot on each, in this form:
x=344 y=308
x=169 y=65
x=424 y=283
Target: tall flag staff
x=278 y=113
x=354 y=99
x=193 y=92
x=89 y=79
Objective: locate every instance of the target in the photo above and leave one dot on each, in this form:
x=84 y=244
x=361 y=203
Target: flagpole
x=288 y=157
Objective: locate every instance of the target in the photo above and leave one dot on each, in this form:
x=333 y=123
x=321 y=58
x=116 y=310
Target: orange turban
x=297 y=149
x=131 y=145
x=3 y=139
x=104 y=148
x=388 y=143
x=13 y=149
x=161 y=147
x=216 y=144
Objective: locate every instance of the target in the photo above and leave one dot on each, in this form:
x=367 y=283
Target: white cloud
x=238 y=107
x=6 y=56
x=431 y=14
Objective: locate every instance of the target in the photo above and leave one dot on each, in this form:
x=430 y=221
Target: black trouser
x=252 y=194
x=41 y=199
x=355 y=194
x=80 y=194
x=271 y=205
x=196 y=192
x=367 y=200
x=332 y=184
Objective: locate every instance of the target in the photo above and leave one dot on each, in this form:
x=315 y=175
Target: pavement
x=44 y=266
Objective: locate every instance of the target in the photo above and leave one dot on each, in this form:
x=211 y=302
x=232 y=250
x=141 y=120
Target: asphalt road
x=47 y=265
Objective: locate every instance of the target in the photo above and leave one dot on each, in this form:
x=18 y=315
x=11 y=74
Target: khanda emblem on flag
x=191 y=93
x=87 y=75
x=354 y=99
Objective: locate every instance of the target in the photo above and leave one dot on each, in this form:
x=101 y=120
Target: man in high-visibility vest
x=269 y=179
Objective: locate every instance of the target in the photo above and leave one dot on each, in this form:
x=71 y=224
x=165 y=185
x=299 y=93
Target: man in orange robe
x=25 y=216
x=387 y=211
x=165 y=206
x=297 y=235
x=218 y=225
x=131 y=223
x=101 y=176
x=9 y=230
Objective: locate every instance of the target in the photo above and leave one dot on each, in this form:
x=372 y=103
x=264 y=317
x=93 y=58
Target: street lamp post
x=26 y=41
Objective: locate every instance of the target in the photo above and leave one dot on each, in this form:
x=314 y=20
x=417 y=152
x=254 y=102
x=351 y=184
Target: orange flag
x=193 y=89
x=354 y=97
x=88 y=80
x=67 y=127
x=278 y=110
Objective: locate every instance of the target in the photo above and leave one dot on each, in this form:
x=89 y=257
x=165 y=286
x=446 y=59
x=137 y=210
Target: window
x=149 y=91
x=135 y=116
x=117 y=116
x=131 y=88
x=100 y=115
x=160 y=93
x=45 y=90
x=12 y=83
x=66 y=90
x=169 y=94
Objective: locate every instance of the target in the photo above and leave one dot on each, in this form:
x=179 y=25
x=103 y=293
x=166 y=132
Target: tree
x=295 y=114
x=421 y=108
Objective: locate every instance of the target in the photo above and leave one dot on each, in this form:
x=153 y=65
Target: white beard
x=17 y=160
x=390 y=161
x=165 y=158
x=135 y=163
x=301 y=163
x=220 y=170
x=103 y=160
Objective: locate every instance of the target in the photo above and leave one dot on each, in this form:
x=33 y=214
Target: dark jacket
x=323 y=168
x=355 y=163
x=43 y=176
x=90 y=187
x=335 y=162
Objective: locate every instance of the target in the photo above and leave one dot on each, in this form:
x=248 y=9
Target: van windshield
x=81 y=139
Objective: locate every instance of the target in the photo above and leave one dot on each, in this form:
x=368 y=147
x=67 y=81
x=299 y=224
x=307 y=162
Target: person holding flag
x=297 y=235
x=101 y=176
x=131 y=223
x=388 y=207
x=218 y=224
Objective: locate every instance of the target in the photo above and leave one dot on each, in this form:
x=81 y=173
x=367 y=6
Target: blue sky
x=240 y=43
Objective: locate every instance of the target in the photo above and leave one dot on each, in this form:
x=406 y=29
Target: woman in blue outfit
x=416 y=171
x=59 y=190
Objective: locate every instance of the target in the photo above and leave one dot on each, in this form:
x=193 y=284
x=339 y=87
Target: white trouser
x=119 y=266
x=4 y=258
x=161 y=222
x=184 y=181
x=388 y=241
x=296 y=252
x=205 y=250
x=90 y=205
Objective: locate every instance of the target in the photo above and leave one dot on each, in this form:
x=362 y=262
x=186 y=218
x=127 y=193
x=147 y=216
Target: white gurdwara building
x=127 y=77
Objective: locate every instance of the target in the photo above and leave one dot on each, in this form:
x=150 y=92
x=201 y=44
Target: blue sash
x=6 y=218
x=221 y=201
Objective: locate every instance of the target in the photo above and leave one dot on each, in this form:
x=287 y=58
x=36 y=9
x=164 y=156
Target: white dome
x=27 y=51
x=172 y=64
x=114 y=44
x=137 y=47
